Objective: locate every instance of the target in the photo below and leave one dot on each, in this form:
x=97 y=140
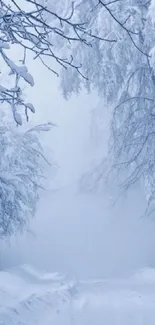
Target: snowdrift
x=29 y=296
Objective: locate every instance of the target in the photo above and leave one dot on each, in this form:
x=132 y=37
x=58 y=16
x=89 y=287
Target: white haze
x=76 y=233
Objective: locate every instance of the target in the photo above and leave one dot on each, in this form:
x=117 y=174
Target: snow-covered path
x=30 y=297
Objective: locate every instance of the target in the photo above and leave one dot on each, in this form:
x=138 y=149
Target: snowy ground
x=30 y=297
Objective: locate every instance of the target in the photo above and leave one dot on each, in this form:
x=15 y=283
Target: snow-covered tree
x=106 y=45
x=123 y=72
x=72 y=34
x=106 y=65
x=22 y=166
x=34 y=27
x=132 y=140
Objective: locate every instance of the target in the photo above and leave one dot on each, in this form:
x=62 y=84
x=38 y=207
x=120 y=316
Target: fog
x=78 y=233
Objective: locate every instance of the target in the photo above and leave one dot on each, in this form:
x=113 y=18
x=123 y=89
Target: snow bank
x=29 y=296
x=31 y=275
x=26 y=296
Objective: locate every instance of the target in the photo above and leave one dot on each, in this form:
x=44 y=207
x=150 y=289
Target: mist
x=74 y=232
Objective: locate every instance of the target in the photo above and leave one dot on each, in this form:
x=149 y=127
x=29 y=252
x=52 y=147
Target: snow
x=4 y=45
x=26 y=297
x=21 y=71
x=17 y=117
x=31 y=107
x=151 y=12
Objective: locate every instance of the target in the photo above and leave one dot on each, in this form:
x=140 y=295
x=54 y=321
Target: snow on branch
x=123 y=24
x=30 y=30
x=35 y=27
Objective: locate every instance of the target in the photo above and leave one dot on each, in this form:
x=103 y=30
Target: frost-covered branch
x=37 y=26
x=123 y=24
x=27 y=26
x=124 y=76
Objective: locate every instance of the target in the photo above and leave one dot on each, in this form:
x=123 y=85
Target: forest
x=77 y=163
